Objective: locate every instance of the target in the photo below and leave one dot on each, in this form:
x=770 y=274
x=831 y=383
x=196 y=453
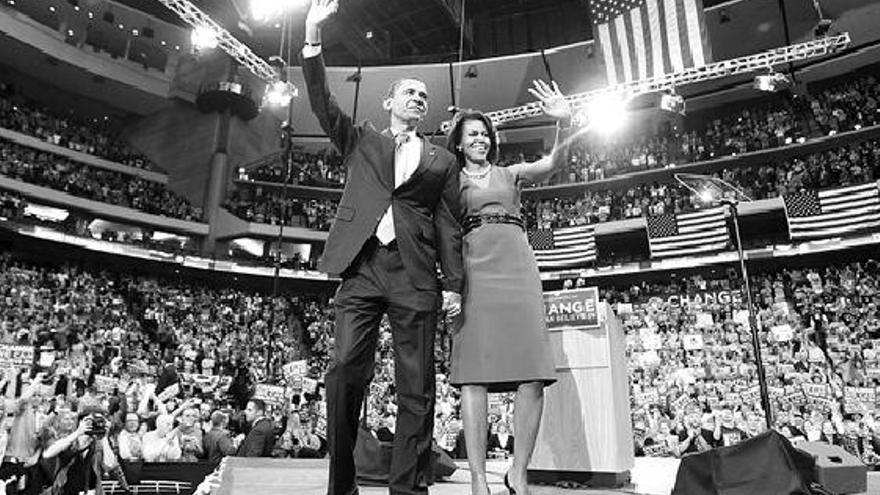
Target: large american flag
x=647 y=38
x=833 y=212
x=565 y=247
x=671 y=235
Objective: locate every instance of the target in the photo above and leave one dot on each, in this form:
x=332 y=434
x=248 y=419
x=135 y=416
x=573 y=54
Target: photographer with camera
x=83 y=457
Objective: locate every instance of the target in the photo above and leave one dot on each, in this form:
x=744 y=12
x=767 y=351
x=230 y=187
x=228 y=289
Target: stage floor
x=650 y=476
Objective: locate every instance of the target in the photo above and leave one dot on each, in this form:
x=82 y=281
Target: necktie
x=402 y=170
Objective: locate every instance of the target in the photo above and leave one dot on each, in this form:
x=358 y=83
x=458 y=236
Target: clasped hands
x=451 y=303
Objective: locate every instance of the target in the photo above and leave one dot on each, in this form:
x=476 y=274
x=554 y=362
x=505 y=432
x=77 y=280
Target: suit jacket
x=427 y=210
x=260 y=441
x=217 y=445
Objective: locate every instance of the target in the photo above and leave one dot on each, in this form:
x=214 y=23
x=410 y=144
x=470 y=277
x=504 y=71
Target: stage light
x=707 y=196
x=279 y=94
x=203 y=38
x=606 y=114
x=672 y=103
x=774 y=81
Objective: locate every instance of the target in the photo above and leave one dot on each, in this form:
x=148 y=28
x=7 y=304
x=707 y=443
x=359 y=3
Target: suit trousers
x=376 y=284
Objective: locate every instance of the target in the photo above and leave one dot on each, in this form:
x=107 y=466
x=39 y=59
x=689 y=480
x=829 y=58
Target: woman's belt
x=474 y=221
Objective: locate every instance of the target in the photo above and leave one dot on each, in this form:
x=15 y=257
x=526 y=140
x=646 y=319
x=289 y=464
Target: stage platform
x=651 y=476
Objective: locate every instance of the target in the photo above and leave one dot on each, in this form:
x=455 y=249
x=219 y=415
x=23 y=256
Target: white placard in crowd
x=704 y=320
x=170 y=391
x=294 y=372
x=272 y=394
x=309 y=385
x=782 y=333
x=692 y=342
x=815 y=390
x=16 y=355
x=741 y=316
x=651 y=341
x=105 y=384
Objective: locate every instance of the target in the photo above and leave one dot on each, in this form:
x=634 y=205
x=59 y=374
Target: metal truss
x=752 y=63
x=236 y=49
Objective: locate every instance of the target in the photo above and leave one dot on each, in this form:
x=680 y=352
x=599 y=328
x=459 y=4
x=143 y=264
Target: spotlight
x=822 y=28
x=605 y=114
x=772 y=82
x=707 y=196
x=672 y=103
x=203 y=38
x=279 y=94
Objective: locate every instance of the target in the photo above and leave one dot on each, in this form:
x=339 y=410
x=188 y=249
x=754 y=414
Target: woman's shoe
x=507 y=484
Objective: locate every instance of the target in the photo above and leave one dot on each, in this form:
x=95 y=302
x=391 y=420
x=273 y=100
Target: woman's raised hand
x=321 y=10
x=553 y=102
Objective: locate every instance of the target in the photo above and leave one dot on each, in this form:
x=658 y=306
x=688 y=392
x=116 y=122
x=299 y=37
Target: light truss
x=236 y=49
x=743 y=65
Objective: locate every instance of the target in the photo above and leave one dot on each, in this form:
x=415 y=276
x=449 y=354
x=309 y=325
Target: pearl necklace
x=478 y=175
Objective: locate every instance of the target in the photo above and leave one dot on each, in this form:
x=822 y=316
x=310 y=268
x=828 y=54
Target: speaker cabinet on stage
x=586 y=431
x=836 y=469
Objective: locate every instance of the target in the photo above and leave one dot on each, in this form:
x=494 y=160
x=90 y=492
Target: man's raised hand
x=320 y=11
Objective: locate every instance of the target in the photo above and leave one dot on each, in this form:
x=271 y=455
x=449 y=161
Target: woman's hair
x=453 y=139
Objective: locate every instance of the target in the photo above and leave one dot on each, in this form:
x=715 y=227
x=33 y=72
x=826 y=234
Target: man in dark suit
x=260 y=440
x=398 y=218
x=217 y=442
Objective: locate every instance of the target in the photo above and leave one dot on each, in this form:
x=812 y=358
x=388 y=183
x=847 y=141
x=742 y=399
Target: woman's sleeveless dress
x=502 y=340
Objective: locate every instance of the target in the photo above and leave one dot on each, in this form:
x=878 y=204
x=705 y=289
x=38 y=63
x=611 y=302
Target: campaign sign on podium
x=586 y=430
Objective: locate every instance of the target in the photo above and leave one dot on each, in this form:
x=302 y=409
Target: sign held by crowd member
x=272 y=394
x=16 y=355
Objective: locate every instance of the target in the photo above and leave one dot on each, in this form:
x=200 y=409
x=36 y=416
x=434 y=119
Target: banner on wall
x=577 y=308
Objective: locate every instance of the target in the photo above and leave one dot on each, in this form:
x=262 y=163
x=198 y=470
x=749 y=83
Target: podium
x=586 y=430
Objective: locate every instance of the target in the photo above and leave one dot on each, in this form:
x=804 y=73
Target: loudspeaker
x=836 y=469
x=372 y=460
x=764 y=465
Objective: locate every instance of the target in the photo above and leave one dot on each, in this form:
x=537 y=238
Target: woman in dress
x=501 y=344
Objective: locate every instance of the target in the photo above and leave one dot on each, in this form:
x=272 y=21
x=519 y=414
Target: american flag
x=671 y=235
x=648 y=38
x=833 y=212
x=564 y=248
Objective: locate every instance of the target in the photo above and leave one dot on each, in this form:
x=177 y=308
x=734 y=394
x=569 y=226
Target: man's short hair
x=259 y=404
x=219 y=418
x=396 y=84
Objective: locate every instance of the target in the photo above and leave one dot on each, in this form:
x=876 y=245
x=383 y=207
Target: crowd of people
x=56 y=172
x=169 y=361
x=856 y=163
x=20 y=114
x=852 y=164
x=692 y=367
x=322 y=169
x=160 y=359
x=272 y=206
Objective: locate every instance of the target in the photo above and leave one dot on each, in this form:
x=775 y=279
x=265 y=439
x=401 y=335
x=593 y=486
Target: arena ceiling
x=383 y=31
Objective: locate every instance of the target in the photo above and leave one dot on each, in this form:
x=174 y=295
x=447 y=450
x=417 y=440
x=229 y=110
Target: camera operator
x=83 y=456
